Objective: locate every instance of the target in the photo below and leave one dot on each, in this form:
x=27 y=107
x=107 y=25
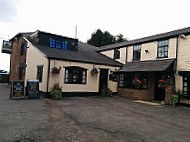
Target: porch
x=141 y=80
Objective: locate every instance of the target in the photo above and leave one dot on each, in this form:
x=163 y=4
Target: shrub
x=56 y=92
x=106 y=92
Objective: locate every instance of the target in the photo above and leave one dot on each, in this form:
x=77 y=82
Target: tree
x=120 y=38
x=100 y=38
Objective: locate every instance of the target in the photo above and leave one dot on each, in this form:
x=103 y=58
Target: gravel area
x=90 y=119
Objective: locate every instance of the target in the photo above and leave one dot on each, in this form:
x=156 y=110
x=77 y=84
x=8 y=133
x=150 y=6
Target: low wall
x=136 y=94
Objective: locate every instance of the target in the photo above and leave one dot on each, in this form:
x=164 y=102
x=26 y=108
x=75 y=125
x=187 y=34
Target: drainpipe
x=177 y=44
x=48 y=78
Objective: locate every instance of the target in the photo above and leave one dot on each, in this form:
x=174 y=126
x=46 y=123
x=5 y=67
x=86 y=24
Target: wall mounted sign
x=6 y=47
x=17 y=89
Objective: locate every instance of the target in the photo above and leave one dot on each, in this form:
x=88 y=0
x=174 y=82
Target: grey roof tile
x=147 y=66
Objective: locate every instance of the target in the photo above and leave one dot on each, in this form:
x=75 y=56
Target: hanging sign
x=6 y=47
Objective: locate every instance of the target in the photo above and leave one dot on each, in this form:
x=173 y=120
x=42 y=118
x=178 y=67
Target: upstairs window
x=58 y=44
x=116 y=54
x=163 y=49
x=75 y=75
x=39 y=73
x=22 y=51
x=52 y=42
x=64 y=45
x=136 y=52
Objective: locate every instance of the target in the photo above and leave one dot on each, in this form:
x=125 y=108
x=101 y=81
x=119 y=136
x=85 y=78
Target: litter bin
x=33 y=89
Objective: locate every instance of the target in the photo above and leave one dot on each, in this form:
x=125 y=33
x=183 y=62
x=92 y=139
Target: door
x=103 y=82
x=159 y=94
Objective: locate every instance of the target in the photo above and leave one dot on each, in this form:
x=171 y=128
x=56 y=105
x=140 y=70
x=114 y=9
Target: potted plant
x=94 y=71
x=162 y=84
x=56 y=70
x=173 y=98
x=106 y=92
x=137 y=82
x=56 y=92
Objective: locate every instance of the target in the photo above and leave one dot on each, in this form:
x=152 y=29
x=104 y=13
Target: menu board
x=18 y=89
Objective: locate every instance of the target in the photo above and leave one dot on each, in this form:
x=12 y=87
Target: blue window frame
x=64 y=45
x=58 y=44
x=52 y=42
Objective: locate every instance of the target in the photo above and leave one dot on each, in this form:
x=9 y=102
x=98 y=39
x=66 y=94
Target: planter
x=94 y=71
x=57 y=95
x=55 y=70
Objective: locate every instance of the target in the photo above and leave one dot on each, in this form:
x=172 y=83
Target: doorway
x=159 y=94
x=103 y=82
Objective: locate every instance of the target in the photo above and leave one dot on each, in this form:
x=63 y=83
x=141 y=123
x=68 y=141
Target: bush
x=56 y=92
x=175 y=97
x=106 y=92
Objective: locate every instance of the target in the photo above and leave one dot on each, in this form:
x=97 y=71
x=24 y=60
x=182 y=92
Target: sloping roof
x=147 y=66
x=170 y=34
x=86 y=53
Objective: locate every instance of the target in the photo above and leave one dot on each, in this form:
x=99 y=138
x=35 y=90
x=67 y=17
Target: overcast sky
x=132 y=18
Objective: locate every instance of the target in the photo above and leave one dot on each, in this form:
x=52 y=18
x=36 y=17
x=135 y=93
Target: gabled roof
x=86 y=53
x=147 y=66
x=170 y=34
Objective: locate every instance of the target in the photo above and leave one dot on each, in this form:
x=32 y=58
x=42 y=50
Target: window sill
x=161 y=57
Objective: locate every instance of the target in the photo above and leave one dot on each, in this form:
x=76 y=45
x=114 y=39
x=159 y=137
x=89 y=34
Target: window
x=126 y=80
x=64 y=45
x=116 y=54
x=121 y=80
x=58 y=44
x=22 y=48
x=113 y=77
x=20 y=71
x=39 y=73
x=52 y=42
x=163 y=49
x=186 y=85
x=136 y=52
x=75 y=75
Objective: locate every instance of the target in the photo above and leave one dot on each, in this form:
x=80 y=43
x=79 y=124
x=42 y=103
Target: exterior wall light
x=146 y=51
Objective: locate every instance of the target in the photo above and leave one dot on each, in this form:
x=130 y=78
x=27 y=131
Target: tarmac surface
x=90 y=119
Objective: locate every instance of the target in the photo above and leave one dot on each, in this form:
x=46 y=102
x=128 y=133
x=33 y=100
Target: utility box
x=32 y=89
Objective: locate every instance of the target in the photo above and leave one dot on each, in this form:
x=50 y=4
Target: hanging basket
x=94 y=71
x=162 y=84
x=55 y=70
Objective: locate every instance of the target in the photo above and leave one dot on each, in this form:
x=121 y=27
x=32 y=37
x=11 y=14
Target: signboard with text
x=6 y=47
x=17 y=89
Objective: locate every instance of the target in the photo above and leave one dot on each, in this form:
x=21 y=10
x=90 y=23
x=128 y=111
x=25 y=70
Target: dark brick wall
x=16 y=59
x=147 y=94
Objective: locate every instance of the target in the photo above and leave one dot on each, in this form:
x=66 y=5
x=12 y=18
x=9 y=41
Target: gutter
x=47 y=89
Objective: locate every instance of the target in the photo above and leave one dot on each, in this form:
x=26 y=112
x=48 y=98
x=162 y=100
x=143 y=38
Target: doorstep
x=148 y=103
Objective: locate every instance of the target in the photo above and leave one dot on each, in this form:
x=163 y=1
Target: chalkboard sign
x=17 y=89
x=33 y=89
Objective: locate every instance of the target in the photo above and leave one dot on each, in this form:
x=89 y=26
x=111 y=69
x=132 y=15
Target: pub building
x=149 y=68
x=154 y=66
x=52 y=59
